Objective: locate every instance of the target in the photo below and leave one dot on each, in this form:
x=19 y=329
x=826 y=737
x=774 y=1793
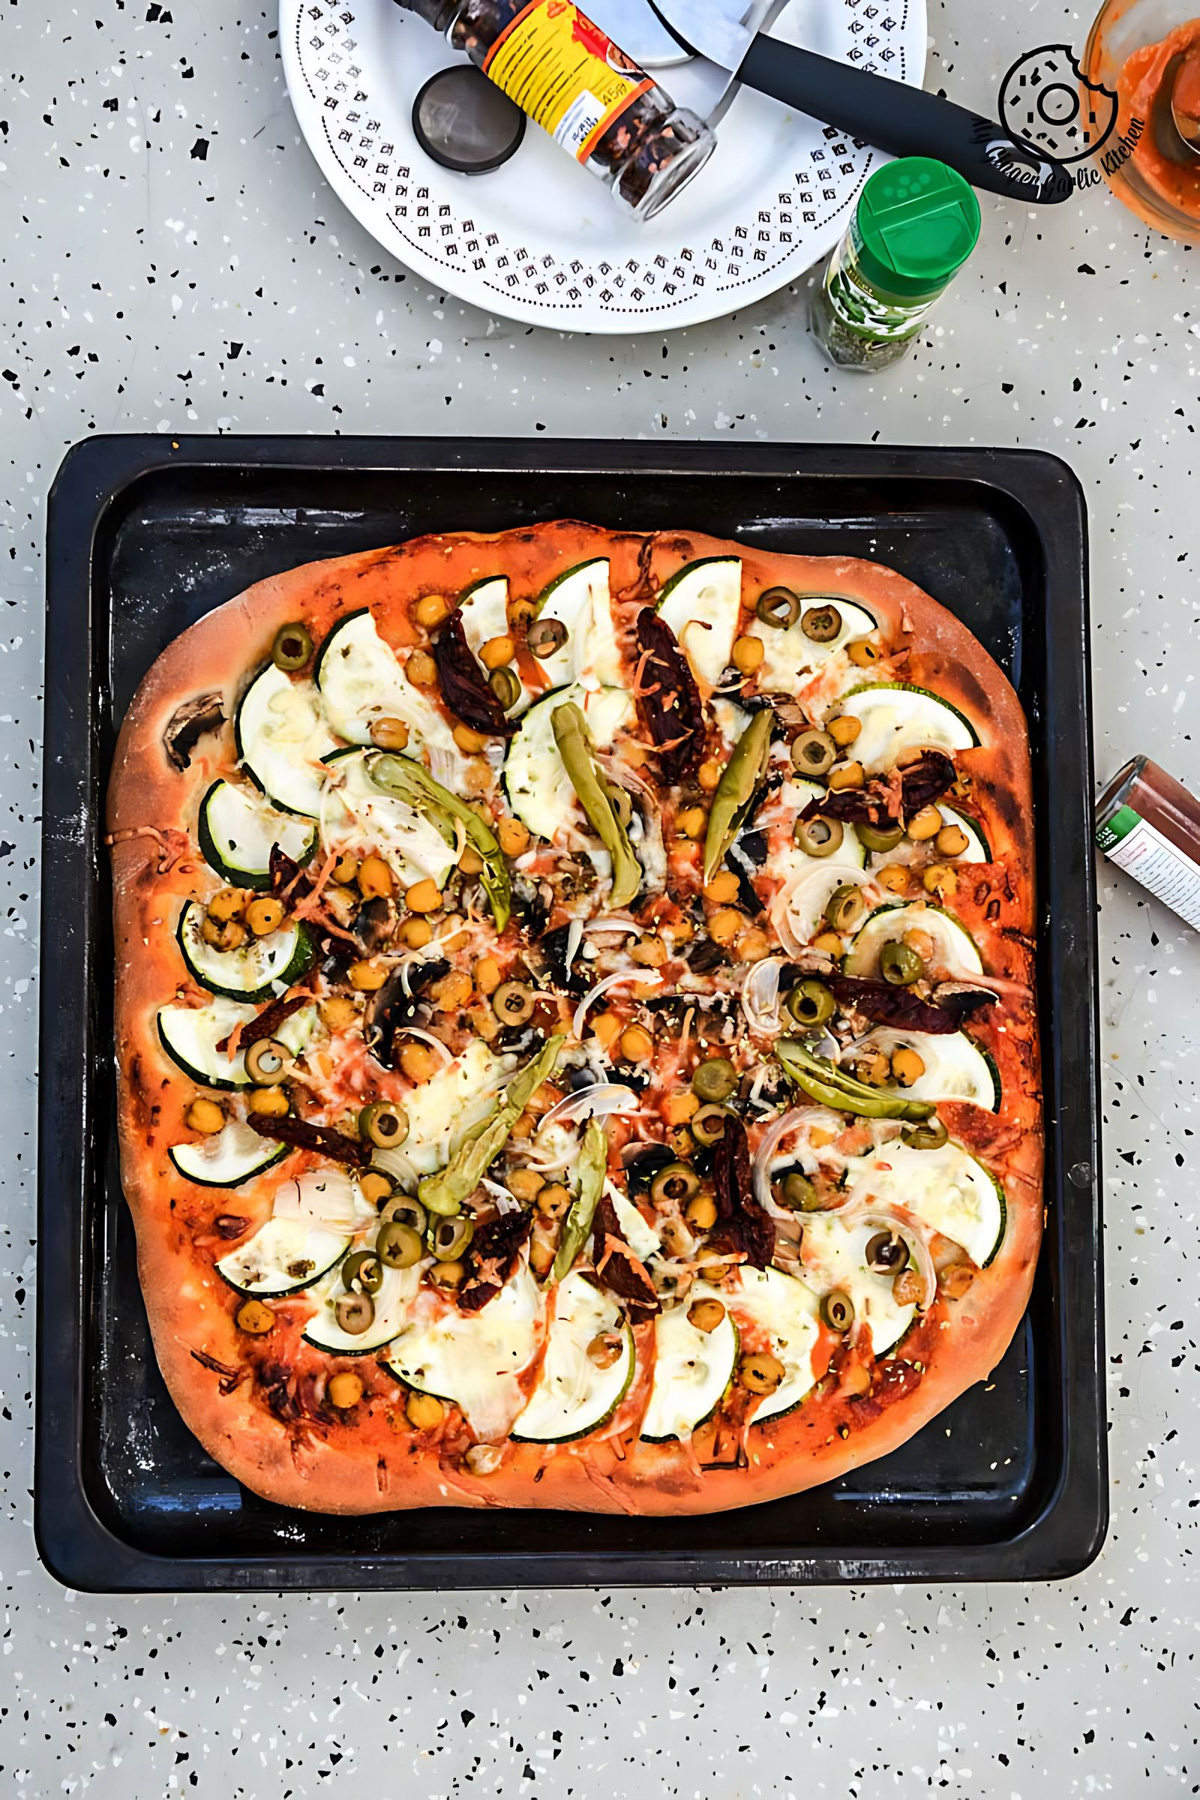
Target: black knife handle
x=904 y=121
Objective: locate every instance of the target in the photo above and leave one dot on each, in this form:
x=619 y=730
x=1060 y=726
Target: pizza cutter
x=716 y=47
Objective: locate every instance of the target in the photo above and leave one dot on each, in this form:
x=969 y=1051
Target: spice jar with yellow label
x=571 y=79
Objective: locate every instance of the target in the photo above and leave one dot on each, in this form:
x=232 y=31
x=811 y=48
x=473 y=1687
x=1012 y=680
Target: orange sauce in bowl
x=1140 y=89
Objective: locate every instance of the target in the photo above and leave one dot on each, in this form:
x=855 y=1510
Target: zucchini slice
x=231 y=1156
x=538 y=787
x=810 y=890
x=573 y=1397
x=794 y=796
x=947 y=1189
x=361 y=680
x=393 y=1312
x=252 y=972
x=791 y=657
x=978 y=849
x=190 y=1035
x=483 y=609
x=237 y=831
x=281 y=736
x=896 y=717
x=833 y=1259
x=702 y=603
x=361 y=817
x=283 y=1256
x=955 y=1067
x=953 y=943
x=786 y=1310
x=692 y=1369
x=474 y=1359
x=579 y=599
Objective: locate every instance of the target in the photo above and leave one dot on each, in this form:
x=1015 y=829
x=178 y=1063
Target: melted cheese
x=361 y=680
x=896 y=719
x=947 y=1189
x=955 y=1068
x=443 y=1109
x=475 y=1358
x=692 y=1368
x=358 y=816
x=789 y=656
x=283 y=1256
x=573 y=1396
x=785 y=1310
x=833 y=1260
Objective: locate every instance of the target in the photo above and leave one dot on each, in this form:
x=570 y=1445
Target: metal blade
x=720 y=30
x=635 y=27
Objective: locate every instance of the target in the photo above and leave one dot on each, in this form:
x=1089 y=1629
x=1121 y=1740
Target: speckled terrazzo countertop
x=174 y=263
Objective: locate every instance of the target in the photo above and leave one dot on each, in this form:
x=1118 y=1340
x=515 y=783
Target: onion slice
x=596 y=1102
x=610 y=981
x=760 y=995
x=904 y=1224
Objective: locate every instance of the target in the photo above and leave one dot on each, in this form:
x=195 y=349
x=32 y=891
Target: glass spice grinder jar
x=573 y=80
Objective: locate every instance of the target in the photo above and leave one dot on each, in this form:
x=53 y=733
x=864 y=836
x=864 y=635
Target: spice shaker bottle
x=915 y=225
x=572 y=79
x=1149 y=825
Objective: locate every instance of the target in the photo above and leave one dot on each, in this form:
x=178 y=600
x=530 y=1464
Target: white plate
x=541 y=239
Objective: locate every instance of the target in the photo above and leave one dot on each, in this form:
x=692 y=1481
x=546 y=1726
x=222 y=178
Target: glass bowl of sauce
x=1148 y=53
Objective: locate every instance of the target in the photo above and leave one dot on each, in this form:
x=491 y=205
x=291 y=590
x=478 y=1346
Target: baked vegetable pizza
x=574 y=1020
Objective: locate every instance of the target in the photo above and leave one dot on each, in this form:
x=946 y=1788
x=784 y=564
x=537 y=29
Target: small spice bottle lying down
x=1149 y=825
x=572 y=80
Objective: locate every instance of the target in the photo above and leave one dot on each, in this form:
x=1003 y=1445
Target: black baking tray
x=146 y=534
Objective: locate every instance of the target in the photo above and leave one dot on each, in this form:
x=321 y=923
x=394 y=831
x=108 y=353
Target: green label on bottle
x=1110 y=833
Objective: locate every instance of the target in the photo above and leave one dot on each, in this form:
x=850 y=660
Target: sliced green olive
x=846 y=909
x=675 y=1182
x=355 y=1313
x=402 y=1209
x=821 y=624
x=714 y=1079
x=886 y=1254
x=814 y=752
x=448 y=1238
x=384 y=1125
x=506 y=685
x=292 y=647
x=819 y=837
x=879 y=837
x=398 y=1246
x=798 y=1194
x=268 y=1062
x=778 y=607
x=513 y=1002
x=545 y=636
x=930 y=1134
x=621 y=804
x=837 y=1310
x=900 y=964
x=810 y=1002
x=708 y=1125
x=365 y=1270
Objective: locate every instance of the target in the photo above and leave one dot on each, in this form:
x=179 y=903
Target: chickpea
x=872 y=1066
x=675 y=1237
x=940 y=879
x=723 y=888
x=709 y=776
x=636 y=1044
x=421 y=669
x=205 y=1116
x=908 y=1287
x=264 y=915
x=470 y=862
x=607 y=1027
x=226 y=904
x=554 y=1200
x=453 y=991
x=345 y=1390
x=907 y=1066
x=925 y=824
x=375 y=879
x=375 y=1187
x=725 y=925
x=682 y=1107
x=543 y=1247
x=424 y=1412
x=390 y=734
x=682 y=932
x=525 y=1184
x=497 y=651
x=269 y=1102
x=367 y=975
x=524 y=1126
x=748 y=653
x=846 y=775
x=894 y=878
x=753 y=945
x=712 y=1264
x=760 y=1372
x=682 y=1142
x=649 y=953
x=254 y=1318
x=345 y=869
x=863 y=653
x=828 y=942
x=701 y=1212
x=469 y=742
x=484 y=1022
x=844 y=729
x=705 y=1315
x=691 y=822
x=604 y=1349
x=855 y=1381
x=431 y=609
x=222 y=934
x=418 y=1061
x=513 y=837
x=951 y=840
x=521 y=612
x=338 y=1013
x=955 y=1279
x=415 y=933
x=488 y=975
x=423 y=896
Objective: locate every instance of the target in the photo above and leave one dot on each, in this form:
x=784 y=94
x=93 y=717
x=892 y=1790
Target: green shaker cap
x=917 y=222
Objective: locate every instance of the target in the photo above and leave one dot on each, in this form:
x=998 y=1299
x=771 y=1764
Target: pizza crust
x=371 y=1460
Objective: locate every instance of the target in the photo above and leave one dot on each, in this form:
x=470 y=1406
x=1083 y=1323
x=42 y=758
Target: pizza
x=574 y=1021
